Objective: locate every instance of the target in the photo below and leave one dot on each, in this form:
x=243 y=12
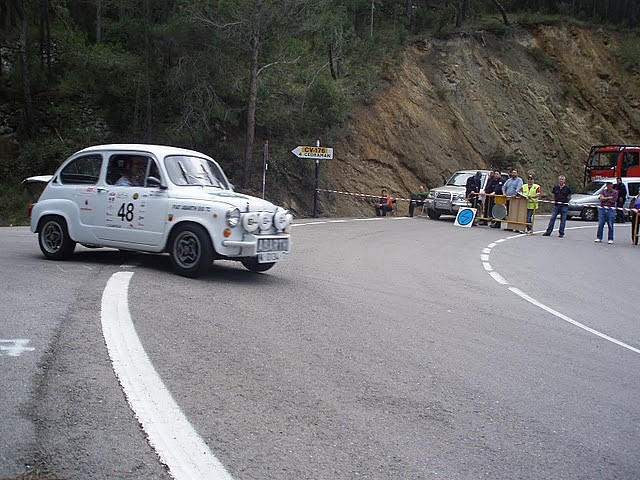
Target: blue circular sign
x=465 y=217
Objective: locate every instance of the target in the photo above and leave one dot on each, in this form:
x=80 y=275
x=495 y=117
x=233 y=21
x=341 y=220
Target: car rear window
x=83 y=170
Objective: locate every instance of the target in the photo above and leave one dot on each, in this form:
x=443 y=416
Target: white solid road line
x=501 y=280
x=169 y=432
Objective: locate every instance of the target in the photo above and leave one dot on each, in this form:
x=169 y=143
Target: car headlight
x=281 y=220
x=264 y=220
x=431 y=194
x=250 y=222
x=232 y=217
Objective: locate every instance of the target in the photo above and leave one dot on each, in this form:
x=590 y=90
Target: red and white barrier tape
x=366 y=195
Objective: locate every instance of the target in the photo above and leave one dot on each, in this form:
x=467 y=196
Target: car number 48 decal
x=126 y=212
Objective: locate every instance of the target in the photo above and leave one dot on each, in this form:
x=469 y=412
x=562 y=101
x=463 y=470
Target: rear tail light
x=29 y=210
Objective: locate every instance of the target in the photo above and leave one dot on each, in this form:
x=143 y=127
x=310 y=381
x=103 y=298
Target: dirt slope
x=535 y=99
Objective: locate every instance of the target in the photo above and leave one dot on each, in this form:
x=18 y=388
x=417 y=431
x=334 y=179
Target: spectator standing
x=635 y=220
x=622 y=197
x=513 y=184
x=498 y=190
x=606 y=213
x=417 y=199
x=384 y=205
x=489 y=190
x=561 y=196
x=511 y=187
x=473 y=188
x=531 y=191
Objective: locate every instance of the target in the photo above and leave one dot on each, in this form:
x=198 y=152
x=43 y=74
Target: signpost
x=318 y=153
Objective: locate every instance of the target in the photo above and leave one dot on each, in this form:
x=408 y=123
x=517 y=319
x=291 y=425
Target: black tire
x=54 y=240
x=433 y=215
x=253 y=265
x=589 y=214
x=190 y=250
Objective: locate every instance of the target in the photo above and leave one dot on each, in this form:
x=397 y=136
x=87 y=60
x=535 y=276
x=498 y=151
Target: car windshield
x=187 y=170
x=593 y=188
x=458 y=179
x=603 y=159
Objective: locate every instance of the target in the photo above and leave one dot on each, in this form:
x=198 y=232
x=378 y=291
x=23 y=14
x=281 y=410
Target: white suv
x=152 y=198
x=448 y=199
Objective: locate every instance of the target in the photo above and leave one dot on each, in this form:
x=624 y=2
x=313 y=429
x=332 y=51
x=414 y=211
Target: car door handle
x=102 y=189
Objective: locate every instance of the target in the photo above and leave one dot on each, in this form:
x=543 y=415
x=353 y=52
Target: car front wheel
x=589 y=214
x=253 y=265
x=190 y=250
x=433 y=215
x=54 y=240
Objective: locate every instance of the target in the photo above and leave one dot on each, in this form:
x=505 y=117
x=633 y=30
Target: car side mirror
x=155 y=182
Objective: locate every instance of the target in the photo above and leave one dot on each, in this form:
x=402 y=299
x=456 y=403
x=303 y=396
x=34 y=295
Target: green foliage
x=543 y=61
x=327 y=105
x=568 y=91
x=504 y=161
x=629 y=50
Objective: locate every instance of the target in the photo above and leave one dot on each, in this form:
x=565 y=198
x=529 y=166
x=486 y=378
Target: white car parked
x=153 y=198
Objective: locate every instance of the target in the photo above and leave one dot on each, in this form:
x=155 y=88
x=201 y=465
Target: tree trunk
x=29 y=121
x=502 y=12
x=251 y=110
x=331 y=67
x=98 y=21
x=462 y=8
x=45 y=32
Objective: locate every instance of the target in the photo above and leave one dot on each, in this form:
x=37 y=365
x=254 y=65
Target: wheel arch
x=186 y=223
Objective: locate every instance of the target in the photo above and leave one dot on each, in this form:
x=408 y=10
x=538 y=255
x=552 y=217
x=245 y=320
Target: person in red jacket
x=384 y=205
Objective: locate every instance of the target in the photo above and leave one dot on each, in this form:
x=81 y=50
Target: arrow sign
x=322 y=153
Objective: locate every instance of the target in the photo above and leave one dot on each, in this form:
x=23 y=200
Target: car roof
x=472 y=172
x=158 y=150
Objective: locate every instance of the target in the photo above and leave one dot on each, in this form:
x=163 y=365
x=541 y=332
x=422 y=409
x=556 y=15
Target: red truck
x=611 y=161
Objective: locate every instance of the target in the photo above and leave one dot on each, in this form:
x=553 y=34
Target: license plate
x=442 y=205
x=273 y=245
x=269 y=257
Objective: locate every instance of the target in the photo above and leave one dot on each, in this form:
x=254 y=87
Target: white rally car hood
x=245 y=203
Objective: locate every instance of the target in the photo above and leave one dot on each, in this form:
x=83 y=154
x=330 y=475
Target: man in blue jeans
x=607 y=212
x=561 y=197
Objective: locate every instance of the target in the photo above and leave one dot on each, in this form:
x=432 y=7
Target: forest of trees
x=215 y=75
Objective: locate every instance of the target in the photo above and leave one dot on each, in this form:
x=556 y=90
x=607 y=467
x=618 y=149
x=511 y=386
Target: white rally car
x=152 y=198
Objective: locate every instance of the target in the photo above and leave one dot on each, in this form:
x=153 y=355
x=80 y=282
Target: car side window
x=83 y=170
x=633 y=189
x=131 y=170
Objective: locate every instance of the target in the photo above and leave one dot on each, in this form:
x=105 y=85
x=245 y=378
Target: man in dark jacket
x=622 y=197
x=493 y=186
x=473 y=188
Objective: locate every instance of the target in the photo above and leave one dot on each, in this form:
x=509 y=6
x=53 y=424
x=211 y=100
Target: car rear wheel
x=433 y=215
x=253 y=265
x=190 y=250
x=589 y=214
x=54 y=240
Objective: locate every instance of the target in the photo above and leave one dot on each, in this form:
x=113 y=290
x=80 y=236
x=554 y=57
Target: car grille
x=443 y=195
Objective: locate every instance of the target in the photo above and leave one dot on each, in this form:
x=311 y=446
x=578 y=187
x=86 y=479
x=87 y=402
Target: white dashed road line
x=501 y=280
x=169 y=432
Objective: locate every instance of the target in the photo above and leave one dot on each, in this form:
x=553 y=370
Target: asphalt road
x=381 y=349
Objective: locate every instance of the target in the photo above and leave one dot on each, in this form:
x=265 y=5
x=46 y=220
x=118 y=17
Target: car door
x=76 y=186
x=132 y=214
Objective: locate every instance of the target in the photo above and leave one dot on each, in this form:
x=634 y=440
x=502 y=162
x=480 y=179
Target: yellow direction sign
x=322 y=153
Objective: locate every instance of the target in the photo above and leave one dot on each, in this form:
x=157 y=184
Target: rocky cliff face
x=535 y=99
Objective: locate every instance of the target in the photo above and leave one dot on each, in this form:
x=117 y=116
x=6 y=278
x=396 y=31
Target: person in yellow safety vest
x=531 y=191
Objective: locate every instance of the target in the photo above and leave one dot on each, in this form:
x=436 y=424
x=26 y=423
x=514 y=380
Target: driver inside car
x=133 y=176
